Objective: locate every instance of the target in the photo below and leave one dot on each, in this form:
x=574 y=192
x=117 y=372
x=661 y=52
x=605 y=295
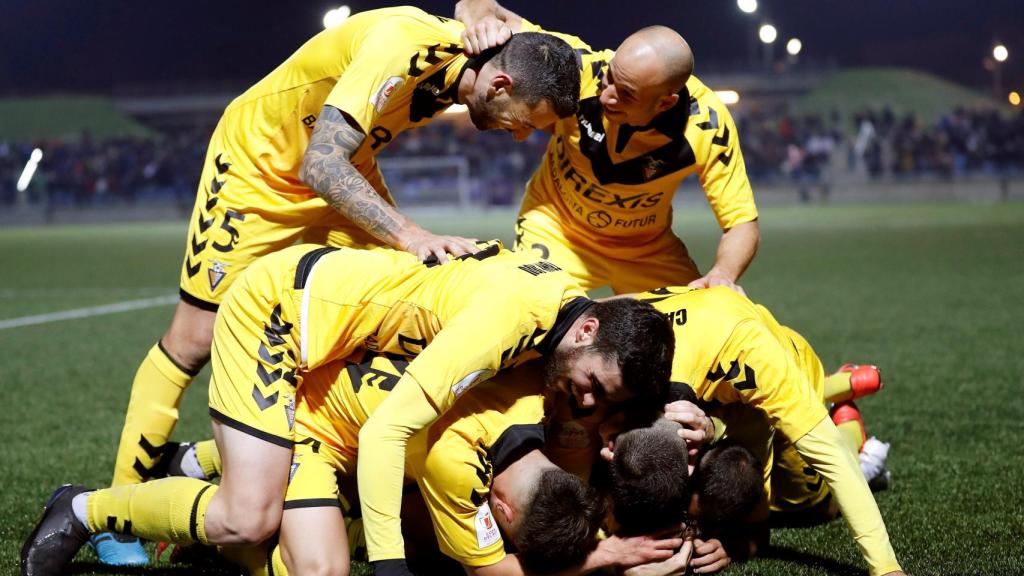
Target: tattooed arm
x=327 y=169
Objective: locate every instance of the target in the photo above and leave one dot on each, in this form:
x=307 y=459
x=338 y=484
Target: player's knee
x=252 y=527
x=190 y=337
x=317 y=564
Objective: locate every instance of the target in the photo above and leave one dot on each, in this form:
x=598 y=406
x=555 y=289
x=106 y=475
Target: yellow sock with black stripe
x=837 y=387
x=152 y=414
x=169 y=509
x=209 y=458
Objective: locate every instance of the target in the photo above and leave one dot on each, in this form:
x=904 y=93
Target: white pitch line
x=88 y=312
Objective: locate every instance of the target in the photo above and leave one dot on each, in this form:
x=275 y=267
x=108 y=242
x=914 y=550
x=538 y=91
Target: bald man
x=600 y=205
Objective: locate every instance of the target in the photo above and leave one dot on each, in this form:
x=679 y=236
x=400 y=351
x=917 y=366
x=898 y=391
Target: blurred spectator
x=778 y=147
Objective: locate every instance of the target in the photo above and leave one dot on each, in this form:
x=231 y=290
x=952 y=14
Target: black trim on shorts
x=312 y=503
x=193 y=527
x=241 y=427
x=203 y=304
x=191 y=373
x=306 y=265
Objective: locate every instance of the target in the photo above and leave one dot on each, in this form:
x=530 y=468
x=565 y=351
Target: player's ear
x=667 y=102
x=501 y=83
x=587 y=331
x=502 y=507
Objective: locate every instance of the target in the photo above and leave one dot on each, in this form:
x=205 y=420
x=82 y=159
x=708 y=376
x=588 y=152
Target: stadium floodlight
x=30 y=169
x=728 y=97
x=767 y=33
x=747 y=6
x=336 y=16
x=1015 y=98
x=794 y=46
x=1000 y=53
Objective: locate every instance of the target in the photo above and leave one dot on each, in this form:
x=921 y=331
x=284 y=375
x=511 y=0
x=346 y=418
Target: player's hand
x=625 y=553
x=895 y=573
x=698 y=428
x=709 y=556
x=425 y=244
x=713 y=279
x=674 y=566
x=485 y=33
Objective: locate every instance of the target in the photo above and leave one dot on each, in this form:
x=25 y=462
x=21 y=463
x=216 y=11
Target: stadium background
x=888 y=162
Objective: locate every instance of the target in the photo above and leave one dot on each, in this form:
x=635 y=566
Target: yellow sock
x=837 y=387
x=209 y=458
x=169 y=509
x=152 y=414
x=853 y=435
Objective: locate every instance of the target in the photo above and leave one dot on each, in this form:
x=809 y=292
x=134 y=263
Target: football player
x=293 y=158
x=600 y=204
x=305 y=306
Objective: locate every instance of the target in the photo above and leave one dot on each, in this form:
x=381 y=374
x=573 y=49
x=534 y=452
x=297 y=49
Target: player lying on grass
x=294 y=158
x=306 y=306
x=600 y=204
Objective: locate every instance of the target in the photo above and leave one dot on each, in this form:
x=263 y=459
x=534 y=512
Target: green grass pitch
x=931 y=293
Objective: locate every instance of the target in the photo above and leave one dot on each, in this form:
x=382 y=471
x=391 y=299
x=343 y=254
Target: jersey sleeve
x=824 y=450
x=454 y=482
x=378 y=68
x=755 y=366
x=723 y=173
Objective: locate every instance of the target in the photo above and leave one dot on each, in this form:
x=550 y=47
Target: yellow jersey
x=389 y=70
x=453 y=461
x=729 y=349
x=613 y=184
x=458 y=323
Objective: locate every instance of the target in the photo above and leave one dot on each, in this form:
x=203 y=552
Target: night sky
x=105 y=46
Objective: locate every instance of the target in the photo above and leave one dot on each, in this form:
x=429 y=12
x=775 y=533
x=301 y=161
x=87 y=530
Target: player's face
x=588 y=376
x=504 y=112
x=628 y=97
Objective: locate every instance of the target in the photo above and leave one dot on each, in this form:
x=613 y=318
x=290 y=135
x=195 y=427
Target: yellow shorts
x=238 y=217
x=795 y=485
x=254 y=357
x=627 y=269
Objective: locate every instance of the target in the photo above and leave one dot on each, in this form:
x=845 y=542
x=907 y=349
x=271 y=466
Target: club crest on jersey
x=652 y=168
x=215 y=273
x=486 y=529
x=389 y=87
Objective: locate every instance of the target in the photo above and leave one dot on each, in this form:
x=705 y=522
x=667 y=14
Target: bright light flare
x=794 y=46
x=747 y=6
x=1000 y=53
x=728 y=97
x=336 y=16
x=456 y=109
x=767 y=33
x=30 y=169
x=1015 y=98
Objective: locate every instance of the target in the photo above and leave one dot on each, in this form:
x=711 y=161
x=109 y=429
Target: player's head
x=527 y=83
x=650 y=480
x=550 y=515
x=727 y=485
x=618 y=349
x=646 y=76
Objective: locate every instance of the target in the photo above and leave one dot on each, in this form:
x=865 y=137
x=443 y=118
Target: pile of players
x=371 y=378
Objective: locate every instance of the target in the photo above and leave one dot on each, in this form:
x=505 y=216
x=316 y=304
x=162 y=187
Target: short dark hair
x=560 y=524
x=640 y=340
x=650 y=481
x=729 y=482
x=542 y=67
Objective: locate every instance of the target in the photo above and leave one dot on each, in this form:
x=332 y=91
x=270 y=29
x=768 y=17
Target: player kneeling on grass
x=301 y=308
x=479 y=470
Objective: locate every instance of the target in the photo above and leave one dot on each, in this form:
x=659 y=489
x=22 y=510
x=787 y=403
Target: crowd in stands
x=777 y=148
